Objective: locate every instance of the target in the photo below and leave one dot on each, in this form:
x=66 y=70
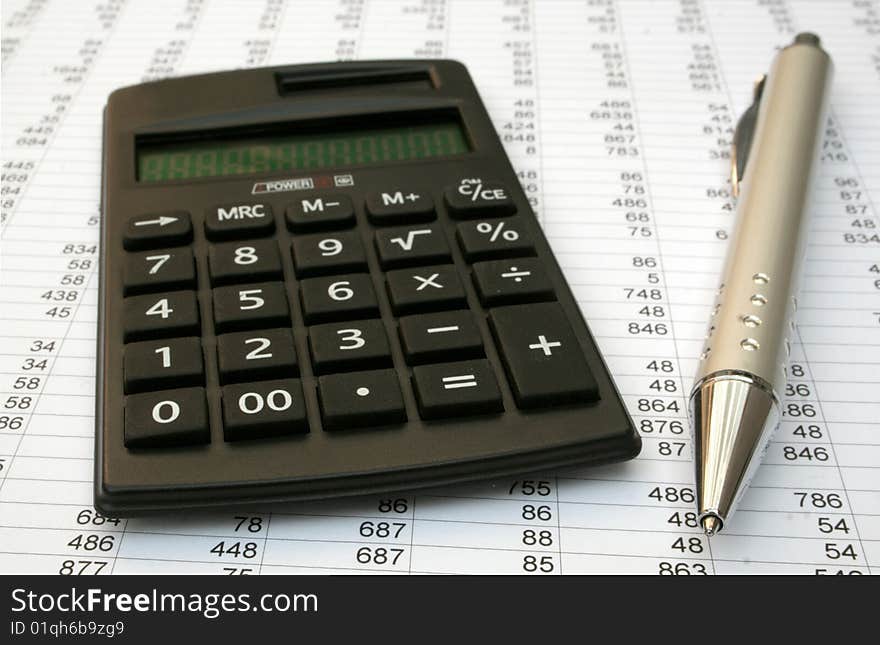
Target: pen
x=734 y=404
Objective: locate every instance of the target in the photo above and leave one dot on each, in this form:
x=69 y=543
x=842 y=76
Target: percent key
x=494 y=238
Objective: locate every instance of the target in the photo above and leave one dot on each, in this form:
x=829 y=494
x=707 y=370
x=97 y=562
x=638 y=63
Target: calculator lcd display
x=195 y=158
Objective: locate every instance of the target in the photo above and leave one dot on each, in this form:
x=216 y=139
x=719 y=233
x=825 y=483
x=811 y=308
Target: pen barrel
x=752 y=321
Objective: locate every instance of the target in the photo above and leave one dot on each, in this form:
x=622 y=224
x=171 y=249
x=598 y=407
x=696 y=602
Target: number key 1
x=158 y=364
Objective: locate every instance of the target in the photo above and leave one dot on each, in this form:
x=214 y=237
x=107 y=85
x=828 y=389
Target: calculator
x=326 y=280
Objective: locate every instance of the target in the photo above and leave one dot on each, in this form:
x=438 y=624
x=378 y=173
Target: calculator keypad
x=349 y=349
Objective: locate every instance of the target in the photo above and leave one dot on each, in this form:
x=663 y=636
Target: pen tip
x=807 y=38
x=711 y=524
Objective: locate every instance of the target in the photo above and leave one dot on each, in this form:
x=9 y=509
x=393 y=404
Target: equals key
x=459 y=389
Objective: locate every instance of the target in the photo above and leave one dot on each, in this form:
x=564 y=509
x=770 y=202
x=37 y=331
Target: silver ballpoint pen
x=734 y=404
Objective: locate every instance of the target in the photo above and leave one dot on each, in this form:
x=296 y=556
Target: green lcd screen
x=287 y=149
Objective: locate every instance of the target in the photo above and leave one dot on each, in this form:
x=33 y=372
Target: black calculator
x=326 y=280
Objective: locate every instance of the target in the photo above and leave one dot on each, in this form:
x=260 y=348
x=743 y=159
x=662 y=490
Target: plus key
x=542 y=356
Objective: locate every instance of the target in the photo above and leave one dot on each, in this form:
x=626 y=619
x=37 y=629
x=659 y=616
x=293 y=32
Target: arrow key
x=157 y=230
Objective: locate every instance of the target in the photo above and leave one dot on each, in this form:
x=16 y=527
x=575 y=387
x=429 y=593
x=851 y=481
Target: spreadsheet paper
x=618 y=117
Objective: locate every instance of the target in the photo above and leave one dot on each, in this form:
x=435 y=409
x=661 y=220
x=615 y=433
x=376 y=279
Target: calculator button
x=445 y=336
x=159 y=364
x=400 y=206
x=338 y=298
x=425 y=289
x=244 y=262
x=494 y=238
x=356 y=345
x=456 y=389
x=255 y=355
x=359 y=399
x=265 y=409
x=249 y=306
x=320 y=213
x=410 y=245
x=160 y=270
x=236 y=221
x=542 y=357
x=328 y=253
x=160 y=315
x=156 y=230
x=509 y=281
x=166 y=418
x=474 y=197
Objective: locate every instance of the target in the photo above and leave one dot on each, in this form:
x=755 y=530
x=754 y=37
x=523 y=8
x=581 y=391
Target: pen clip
x=742 y=137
